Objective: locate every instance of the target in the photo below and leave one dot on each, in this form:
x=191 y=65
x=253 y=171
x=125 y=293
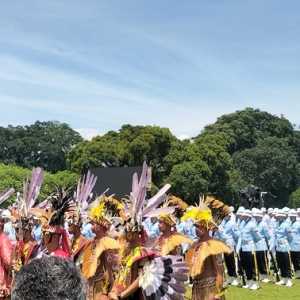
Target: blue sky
x=100 y=64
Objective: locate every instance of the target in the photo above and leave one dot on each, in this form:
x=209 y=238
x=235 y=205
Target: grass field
x=267 y=292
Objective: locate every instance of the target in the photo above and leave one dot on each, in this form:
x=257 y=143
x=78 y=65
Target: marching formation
x=147 y=247
x=265 y=244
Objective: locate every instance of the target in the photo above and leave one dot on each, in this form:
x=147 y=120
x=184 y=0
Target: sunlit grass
x=266 y=292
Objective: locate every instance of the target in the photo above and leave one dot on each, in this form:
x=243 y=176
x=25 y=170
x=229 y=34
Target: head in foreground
x=49 y=278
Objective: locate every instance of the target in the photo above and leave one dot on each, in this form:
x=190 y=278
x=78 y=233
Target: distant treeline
x=239 y=149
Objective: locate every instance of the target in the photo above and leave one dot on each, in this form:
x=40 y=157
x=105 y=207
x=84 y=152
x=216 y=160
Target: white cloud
x=184 y=137
x=88 y=133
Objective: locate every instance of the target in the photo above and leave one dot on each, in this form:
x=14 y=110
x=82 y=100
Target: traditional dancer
x=6 y=253
x=170 y=241
x=143 y=274
x=98 y=255
x=82 y=200
x=26 y=247
x=204 y=257
x=55 y=239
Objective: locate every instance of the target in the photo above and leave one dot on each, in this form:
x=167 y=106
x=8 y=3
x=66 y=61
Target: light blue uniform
x=9 y=230
x=294 y=236
x=188 y=229
x=228 y=232
x=151 y=229
x=87 y=231
x=37 y=232
x=281 y=236
x=249 y=235
x=265 y=235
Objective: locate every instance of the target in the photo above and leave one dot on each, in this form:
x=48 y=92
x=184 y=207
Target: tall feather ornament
x=140 y=207
x=62 y=202
x=35 y=184
x=6 y=194
x=31 y=190
x=84 y=189
x=141 y=192
x=157 y=199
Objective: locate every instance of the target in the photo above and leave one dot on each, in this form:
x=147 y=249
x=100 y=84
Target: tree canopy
x=43 y=144
x=129 y=146
x=242 y=148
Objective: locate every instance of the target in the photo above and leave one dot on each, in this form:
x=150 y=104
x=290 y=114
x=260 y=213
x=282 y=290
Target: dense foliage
x=14 y=176
x=130 y=146
x=43 y=144
x=239 y=149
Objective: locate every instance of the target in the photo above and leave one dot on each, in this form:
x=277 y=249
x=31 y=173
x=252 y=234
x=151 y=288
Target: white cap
x=258 y=213
x=270 y=210
x=240 y=210
x=6 y=214
x=292 y=213
x=247 y=213
x=231 y=209
x=263 y=209
x=280 y=213
x=285 y=210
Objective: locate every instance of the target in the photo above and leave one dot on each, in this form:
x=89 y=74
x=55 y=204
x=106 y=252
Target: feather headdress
x=82 y=198
x=168 y=212
x=114 y=206
x=61 y=203
x=32 y=189
x=98 y=213
x=27 y=200
x=140 y=207
x=178 y=202
x=6 y=194
x=200 y=214
x=219 y=209
x=84 y=190
x=104 y=208
x=210 y=211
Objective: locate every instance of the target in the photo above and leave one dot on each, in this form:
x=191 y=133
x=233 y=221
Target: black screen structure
x=117 y=179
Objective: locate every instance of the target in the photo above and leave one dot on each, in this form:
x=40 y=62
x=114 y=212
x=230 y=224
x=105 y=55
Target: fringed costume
x=6 y=253
x=82 y=200
x=169 y=242
x=97 y=266
x=26 y=247
x=97 y=256
x=204 y=258
x=131 y=264
x=143 y=273
x=55 y=238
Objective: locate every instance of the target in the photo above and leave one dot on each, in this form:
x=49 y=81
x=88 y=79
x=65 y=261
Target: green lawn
x=266 y=292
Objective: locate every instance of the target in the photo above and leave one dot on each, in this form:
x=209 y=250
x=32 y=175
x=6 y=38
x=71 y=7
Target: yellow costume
x=204 y=258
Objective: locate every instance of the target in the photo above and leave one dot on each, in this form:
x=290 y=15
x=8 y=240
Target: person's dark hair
x=49 y=278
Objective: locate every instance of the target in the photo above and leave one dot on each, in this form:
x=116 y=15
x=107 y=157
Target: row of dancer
x=107 y=240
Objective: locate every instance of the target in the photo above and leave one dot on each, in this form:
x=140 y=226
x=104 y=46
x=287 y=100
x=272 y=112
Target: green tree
x=212 y=149
x=245 y=128
x=272 y=165
x=190 y=179
x=14 y=176
x=44 y=144
x=295 y=199
x=130 y=146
